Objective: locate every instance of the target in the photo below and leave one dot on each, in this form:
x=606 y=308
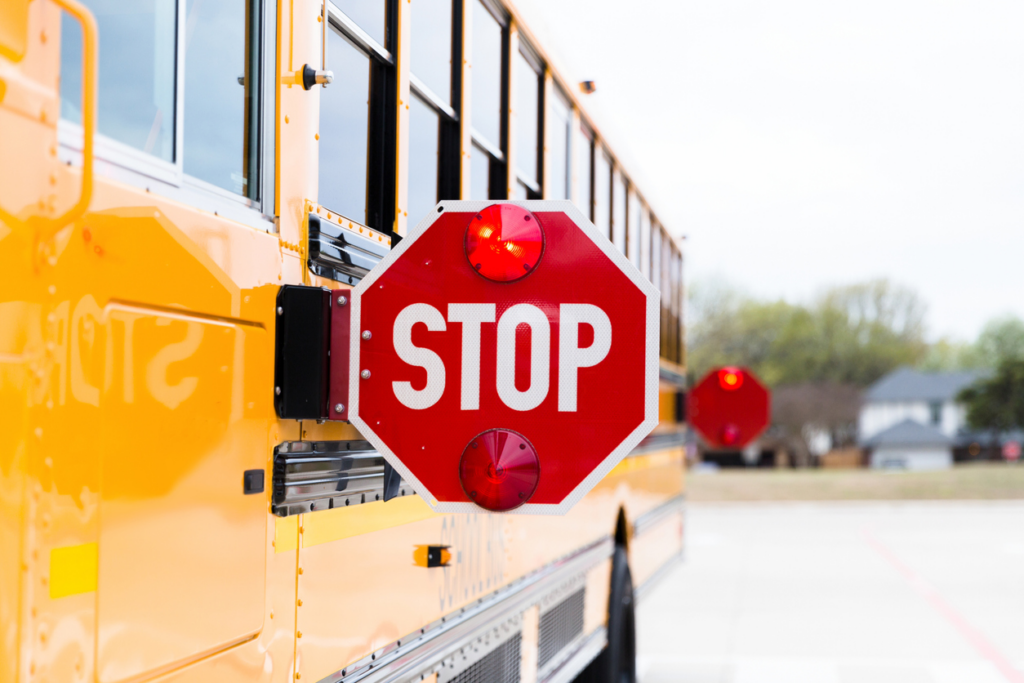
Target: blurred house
x=910 y=445
x=913 y=417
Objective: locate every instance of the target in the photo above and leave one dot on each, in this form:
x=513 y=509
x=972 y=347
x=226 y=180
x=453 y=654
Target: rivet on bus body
x=277 y=390
x=339 y=408
x=280 y=310
x=342 y=300
x=365 y=374
x=366 y=334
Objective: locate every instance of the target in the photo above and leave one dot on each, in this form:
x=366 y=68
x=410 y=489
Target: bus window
x=633 y=231
x=603 y=193
x=424 y=148
x=655 y=271
x=431 y=46
x=527 y=109
x=486 y=61
x=369 y=15
x=559 y=122
x=433 y=122
x=344 y=130
x=645 y=241
x=488 y=48
x=136 y=73
x=221 y=96
x=585 y=173
x=480 y=174
x=619 y=211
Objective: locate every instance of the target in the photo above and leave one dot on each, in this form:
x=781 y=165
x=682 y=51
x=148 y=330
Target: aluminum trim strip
x=425 y=93
x=653 y=517
x=482 y=142
x=361 y=38
x=420 y=652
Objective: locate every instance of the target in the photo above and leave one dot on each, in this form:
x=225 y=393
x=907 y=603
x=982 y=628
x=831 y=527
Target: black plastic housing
x=301 y=363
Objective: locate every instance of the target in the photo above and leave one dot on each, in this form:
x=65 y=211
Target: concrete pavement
x=841 y=593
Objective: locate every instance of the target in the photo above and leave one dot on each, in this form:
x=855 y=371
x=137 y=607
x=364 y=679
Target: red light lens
x=730 y=379
x=499 y=470
x=730 y=435
x=504 y=242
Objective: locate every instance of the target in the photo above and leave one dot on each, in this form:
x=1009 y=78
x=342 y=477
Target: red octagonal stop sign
x=504 y=355
x=729 y=407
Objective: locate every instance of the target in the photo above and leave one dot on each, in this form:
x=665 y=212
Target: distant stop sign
x=1011 y=451
x=504 y=355
x=729 y=407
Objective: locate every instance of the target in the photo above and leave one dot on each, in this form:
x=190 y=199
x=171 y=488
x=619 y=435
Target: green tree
x=997 y=402
x=1001 y=339
x=849 y=335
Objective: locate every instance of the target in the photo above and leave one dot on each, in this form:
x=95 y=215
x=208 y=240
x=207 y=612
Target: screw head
x=277 y=390
x=339 y=408
x=365 y=374
x=280 y=310
x=366 y=334
x=342 y=300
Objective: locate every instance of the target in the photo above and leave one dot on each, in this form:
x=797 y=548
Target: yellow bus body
x=136 y=368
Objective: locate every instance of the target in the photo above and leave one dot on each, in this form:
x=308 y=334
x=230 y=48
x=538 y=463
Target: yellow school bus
x=165 y=167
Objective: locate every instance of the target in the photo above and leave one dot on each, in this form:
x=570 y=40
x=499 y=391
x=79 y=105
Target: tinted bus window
x=603 y=193
x=480 y=175
x=619 y=212
x=221 y=86
x=136 y=73
x=486 y=62
x=584 y=173
x=344 y=130
x=633 y=230
x=560 y=123
x=431 y=45
x=424 y=137
x=527 y=108
x=369 y=15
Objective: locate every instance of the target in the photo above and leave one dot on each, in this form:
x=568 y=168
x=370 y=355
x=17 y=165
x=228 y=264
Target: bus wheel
x=617 y=661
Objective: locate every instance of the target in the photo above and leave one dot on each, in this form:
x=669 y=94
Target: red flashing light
x=730 y=379
x=499 y=470
x=504 y=242
x=730 y=435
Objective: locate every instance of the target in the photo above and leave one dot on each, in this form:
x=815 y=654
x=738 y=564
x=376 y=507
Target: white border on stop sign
x=651 y=352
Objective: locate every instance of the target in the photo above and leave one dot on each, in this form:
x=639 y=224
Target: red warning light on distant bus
x=730 y=379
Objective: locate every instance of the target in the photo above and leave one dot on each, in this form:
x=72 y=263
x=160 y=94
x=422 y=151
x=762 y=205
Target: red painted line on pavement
x=982 y=644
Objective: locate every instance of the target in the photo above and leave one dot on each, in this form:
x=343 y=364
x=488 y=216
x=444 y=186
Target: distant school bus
x=167 y=165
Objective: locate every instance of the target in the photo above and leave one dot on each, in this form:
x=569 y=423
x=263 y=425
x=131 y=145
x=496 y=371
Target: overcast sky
x=804 y=143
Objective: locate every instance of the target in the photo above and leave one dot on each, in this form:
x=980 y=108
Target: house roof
x=909 y=433
x=907 y=384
